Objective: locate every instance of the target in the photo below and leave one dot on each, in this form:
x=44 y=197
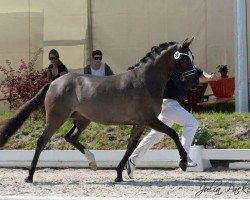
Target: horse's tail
x=11 y=126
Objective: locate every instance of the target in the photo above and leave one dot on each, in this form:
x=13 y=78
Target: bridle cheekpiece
x=188 y=73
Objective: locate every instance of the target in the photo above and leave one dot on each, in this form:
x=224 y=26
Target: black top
x=177 y=89
x=61 y=68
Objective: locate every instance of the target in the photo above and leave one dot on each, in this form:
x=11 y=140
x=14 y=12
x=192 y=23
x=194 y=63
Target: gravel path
x=215 y=183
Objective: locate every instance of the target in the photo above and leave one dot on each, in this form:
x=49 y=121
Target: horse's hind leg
x=135 y=135
x=41 y=143
x=73 y=135
x=52 y=125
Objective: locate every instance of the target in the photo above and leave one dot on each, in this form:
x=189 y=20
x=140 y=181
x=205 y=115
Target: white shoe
x=191 y=163
x=130 y=168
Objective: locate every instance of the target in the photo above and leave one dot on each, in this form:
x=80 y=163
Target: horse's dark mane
x=155 y=50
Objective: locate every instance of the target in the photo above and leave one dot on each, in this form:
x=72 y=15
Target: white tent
x=124 y=30
x=27 y=25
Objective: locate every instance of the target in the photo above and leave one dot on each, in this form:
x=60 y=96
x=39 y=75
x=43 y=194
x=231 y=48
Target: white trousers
x=172 y=112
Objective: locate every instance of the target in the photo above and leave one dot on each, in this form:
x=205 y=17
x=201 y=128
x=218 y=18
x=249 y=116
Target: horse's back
x=119 y=99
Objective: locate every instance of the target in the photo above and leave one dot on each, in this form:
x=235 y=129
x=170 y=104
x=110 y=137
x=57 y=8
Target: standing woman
x=56 y=68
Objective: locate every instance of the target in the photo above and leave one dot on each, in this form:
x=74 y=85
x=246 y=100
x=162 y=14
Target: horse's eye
x=184 y=59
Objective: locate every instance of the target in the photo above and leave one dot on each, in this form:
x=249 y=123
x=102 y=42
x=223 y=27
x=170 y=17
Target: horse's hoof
x=118 y=179
x=183 y=166
x=29 y=180
x=93 y=166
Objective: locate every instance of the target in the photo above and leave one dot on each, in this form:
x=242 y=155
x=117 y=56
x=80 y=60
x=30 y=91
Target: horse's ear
x=187 y=43
x=191 y=41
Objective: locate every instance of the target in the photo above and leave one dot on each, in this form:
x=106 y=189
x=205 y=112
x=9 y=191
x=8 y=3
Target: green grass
x=229 y=130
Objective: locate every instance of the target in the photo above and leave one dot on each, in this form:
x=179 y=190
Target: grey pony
x=132 y=98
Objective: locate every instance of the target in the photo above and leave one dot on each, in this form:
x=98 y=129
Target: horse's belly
x=113 y=114
x=105 y=117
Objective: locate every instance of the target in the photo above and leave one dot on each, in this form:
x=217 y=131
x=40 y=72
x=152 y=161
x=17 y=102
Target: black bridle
x=190 y=72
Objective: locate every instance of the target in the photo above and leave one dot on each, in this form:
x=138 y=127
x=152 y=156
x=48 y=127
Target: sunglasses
x=53 y=58
x=98 y=58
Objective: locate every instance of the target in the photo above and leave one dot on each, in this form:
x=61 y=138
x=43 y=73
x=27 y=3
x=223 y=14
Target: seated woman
x=56 y=68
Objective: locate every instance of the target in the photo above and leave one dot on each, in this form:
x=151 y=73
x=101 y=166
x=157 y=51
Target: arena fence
x=110 y=158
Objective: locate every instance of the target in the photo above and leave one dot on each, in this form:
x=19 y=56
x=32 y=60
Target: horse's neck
x=164 y=64
x=156 y=72
x=155 y=78
x=162 y=67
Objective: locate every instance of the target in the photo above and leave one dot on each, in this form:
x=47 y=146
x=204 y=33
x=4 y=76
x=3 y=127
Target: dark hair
x=96 y=52
x=130 y=68
x=153 y=48
x=54 y=52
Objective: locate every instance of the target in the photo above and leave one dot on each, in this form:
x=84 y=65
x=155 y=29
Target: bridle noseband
x=188 y=73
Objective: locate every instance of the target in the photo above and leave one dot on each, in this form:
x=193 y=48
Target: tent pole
x=241 y=54
x=90 y=32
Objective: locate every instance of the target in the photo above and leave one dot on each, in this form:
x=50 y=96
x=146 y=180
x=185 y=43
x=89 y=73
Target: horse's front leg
x=161 y=127
x=135 y=134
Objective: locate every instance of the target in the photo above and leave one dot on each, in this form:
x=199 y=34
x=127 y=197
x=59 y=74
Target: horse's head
x=185 y=65
x=171 y=57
